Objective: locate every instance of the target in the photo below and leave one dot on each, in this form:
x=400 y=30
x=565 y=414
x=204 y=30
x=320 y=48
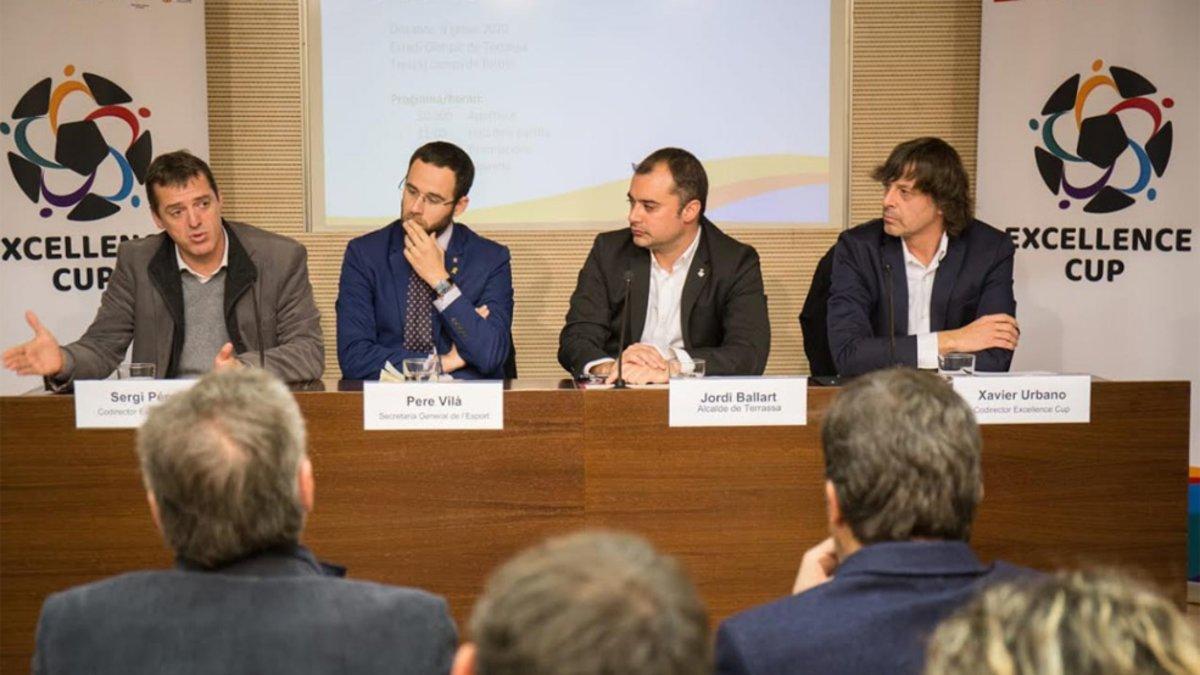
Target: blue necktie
x=418 y=319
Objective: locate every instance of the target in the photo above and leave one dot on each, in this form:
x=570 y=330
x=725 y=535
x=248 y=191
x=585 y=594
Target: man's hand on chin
x=817 y=566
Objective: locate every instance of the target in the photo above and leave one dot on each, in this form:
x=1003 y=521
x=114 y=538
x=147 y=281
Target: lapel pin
x=700 y=273
x=453 y=271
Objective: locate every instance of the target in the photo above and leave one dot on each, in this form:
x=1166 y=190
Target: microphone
x=262 y=357
x=620 y=383
x=887 y=283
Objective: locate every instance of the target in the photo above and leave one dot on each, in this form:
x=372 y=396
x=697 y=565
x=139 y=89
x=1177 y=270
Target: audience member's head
x=225 y=467
x=588 y=604
x=1071 y=623
x=901 y=460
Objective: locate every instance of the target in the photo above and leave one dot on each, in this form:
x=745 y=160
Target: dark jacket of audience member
x=229 y=485
x=903 y=481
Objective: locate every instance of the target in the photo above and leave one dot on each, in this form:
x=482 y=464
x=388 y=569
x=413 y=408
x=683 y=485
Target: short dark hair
x=447 y=155
x=935 y=169
x=691 y=181
x=176 y=169
x=902 y=451
x=590 y=603
x=221 y=459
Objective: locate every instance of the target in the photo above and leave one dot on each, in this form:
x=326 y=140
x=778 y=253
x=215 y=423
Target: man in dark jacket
x=229 y=485
x=926 y=278
x=902 y=454
x=682 y=288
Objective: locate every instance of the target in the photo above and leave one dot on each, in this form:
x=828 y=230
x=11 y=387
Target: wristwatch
x=443 y=287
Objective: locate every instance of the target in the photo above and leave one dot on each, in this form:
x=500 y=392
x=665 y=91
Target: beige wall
x=915 y=71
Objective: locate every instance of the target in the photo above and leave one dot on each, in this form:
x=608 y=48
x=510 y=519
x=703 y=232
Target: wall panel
x=915 y=71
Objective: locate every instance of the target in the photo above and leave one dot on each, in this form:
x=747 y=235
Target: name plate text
x=1027 y=399
x=433 y=405
x=738 y=401
x=120 y=404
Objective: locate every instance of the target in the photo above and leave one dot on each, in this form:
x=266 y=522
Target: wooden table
x=737 y=506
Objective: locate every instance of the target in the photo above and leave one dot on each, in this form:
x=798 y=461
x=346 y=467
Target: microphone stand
x=887 y=269
x=620 y=383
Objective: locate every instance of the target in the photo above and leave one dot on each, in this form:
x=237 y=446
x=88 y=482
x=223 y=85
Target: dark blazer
x=814 y=320
x=373 y=297
x=974 y=279
x=723 y=311
x=872 y=617
x=276 y=612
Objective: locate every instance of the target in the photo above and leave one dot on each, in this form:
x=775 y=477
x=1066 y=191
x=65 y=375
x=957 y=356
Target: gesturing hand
x=226 y=358
x=39 y=356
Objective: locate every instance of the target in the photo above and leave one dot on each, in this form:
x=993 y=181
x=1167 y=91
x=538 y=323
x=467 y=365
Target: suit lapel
x=239 y=277
x=893 y=257
x=164 y=276
x=943 y=282
x=455 y=258
x=697 y=277
x=637 y=262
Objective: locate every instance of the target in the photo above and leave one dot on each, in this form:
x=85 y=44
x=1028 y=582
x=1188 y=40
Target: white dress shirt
x=920 y=297
x=664 y=324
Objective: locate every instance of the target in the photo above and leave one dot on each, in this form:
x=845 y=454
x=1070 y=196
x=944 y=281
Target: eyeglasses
x=430 y=199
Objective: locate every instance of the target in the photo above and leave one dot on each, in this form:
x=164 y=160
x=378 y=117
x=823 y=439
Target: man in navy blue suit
x=426 y=282
x=926 y=278
x=902 y=454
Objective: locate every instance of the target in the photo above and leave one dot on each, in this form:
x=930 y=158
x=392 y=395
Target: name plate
x=121 y=404
x=738 y=401
x=1027 y=399
x=433 y=405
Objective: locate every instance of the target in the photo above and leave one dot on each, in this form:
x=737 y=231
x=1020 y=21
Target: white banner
x=90 y=92
x=1089 y=156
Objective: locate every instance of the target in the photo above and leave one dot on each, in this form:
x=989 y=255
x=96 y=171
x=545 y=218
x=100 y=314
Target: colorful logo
x=1109 y=167
x=83 y=157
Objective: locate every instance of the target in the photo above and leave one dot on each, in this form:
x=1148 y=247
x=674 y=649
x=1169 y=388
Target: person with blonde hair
x=1070 y=623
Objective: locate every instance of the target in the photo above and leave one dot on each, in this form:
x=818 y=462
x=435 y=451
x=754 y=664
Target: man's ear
x=691 y=212
x=461 y=205
x=464 y=660
x=306 y=485
x=153 y=502
x=833 y=510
